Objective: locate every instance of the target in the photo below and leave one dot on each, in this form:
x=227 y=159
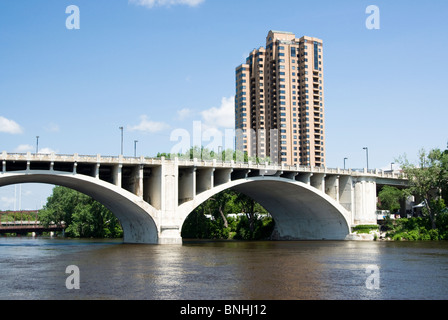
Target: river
x=35 y=268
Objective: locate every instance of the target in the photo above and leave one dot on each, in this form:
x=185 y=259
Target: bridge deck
x=32 y=161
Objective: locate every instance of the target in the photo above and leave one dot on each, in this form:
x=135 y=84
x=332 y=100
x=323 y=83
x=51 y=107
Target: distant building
x=279 y=101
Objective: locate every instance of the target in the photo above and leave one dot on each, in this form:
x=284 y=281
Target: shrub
x=365 y=228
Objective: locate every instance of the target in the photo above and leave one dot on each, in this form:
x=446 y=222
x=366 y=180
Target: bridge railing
x=77 y=158
x=193 y=162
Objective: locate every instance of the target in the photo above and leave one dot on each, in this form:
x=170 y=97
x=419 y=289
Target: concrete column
x=3 y=166
x=74 y=167
x=364 y=201
x=187 y=184
x=153 y=188
x=318 y=181
x=332 y=187
x=117 y=171
x=204 y=179
x=138 y=181
x=96 y=173
x=222 y=176
x=305 y=178
x=132 y=182
x=169 y=223
x=346 y=192
x=291 y=175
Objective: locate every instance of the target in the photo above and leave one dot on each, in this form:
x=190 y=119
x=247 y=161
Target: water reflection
x=35 y=269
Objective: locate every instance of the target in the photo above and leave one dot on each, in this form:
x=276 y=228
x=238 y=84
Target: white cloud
x=23 y=148
x=221 y=117
x=47 y=151
x=7 y=201
x=9 y=126
x=184 y=113
x=52 y=127
x=148 y=126
x=160 y=3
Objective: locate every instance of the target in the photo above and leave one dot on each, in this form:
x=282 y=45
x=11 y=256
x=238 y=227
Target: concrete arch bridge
x=153 y=197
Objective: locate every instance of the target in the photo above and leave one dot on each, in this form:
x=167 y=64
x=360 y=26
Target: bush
x=365 y=228
x=416 y=229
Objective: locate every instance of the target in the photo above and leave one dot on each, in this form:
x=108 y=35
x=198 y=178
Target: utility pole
x=367 y=157
x=121 y=128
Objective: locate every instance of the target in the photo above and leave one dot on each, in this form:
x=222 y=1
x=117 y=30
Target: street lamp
x=367 y=157
x=37 y=144
x=344 y=162
x=135 y=148
x=121 y=128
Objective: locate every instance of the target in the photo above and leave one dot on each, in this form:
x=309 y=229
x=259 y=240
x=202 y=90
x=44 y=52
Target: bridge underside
x=299 y=213
x=133 y=213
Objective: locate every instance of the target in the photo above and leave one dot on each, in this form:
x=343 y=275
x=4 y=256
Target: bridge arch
x=300 y=211
x=136 y=216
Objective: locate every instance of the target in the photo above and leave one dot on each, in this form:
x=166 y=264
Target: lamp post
x=135 y=148
x=121 y=128
x=344 y=162
x=37 y=144
x=367 y=157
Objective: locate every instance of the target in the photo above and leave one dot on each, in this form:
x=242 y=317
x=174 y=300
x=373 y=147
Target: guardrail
x=193 y=163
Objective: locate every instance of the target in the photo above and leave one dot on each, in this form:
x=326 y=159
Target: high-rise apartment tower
x=279 y=101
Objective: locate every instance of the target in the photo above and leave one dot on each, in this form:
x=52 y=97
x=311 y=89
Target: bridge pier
x=170 y=235
x=364 y=204
x=204 y=179
x=305 y=178
x=332 y=187
x=318 y=181
x=169 y=193
x=187 y=184
x=346 y=193
x=116 y=173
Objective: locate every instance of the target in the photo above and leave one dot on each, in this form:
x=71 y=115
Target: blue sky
x=158 y=65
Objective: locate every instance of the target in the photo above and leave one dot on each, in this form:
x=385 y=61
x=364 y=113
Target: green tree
x=251 y=227
x=82 y=215
x=427 y=180
x=390 y=198
x=220 y=226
